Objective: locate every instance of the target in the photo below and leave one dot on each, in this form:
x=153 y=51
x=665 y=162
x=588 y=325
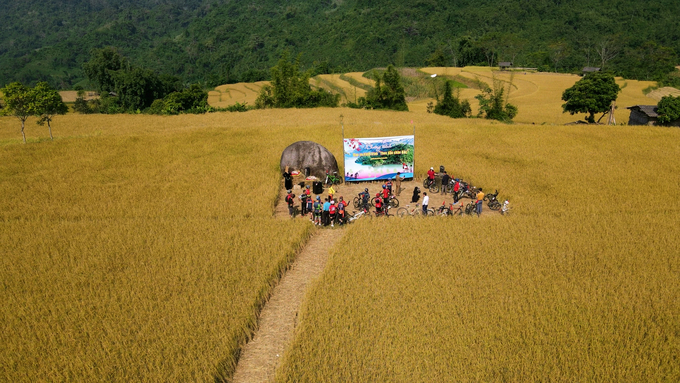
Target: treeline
x=212 y=43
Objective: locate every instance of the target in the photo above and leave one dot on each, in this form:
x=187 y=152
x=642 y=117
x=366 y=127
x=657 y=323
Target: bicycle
x=332 y=179
x=431 y=185
x=471 y=208
x=415 y=212
x=450 y=210
x=358 y=214
x=384 y=212
x=492 y=201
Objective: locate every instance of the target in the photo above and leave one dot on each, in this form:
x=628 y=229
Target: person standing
x=332 y=213
x=318 y=207
x=397 y=184
x=426 y=201
x=290 y=200
x=303 y=203
x=430 y=177
x=480 y=202
x=385 y=195
x=325 y=215
x=310 y=205
x=456 y=190
x=445 y=182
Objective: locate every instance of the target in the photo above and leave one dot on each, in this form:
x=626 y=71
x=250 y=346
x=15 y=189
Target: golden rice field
x=139 y=248
x=537 y=95
x=581 y=283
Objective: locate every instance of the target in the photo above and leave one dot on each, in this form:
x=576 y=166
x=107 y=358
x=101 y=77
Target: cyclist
x=309 y=207
x=303 y=202
x=318 y=206
x=389 y=185
x=378 y=204
x=290 y=200
x=385 y=194
x=341 y=211
x=331 y=191
x=332 y=213
x=456 y=190
x=430 y=177
x=365 y=196
x=324 y=212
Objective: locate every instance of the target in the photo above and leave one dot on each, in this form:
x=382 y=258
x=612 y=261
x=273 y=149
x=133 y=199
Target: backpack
x=289 y=199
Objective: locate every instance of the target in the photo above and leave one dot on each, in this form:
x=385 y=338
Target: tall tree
x=102 y=67
x=19 y=100
x=592 y=94
x=451 y=105
x=47 y=103
x=493 y=102
x=668 y=109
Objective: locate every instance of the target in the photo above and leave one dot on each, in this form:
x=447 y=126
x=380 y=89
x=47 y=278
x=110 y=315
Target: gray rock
x=308 y=154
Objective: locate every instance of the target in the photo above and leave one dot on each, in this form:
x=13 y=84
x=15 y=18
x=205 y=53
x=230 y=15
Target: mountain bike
x=384 y=212
x=358 y=214
x=431 y=185
x=332 y=179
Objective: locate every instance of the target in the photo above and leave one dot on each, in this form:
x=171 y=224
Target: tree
x=592 y=94
x=493 y=105
x=102 y=67
x=290 y=88
x=388 y=92
x=451 y=106
x=668 y=109
x=47 y=103
x=19 y=100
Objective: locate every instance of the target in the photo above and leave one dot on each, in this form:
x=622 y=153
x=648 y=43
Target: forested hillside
x=217 y=42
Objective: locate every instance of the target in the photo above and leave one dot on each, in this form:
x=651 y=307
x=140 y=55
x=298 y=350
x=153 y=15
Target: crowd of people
x=332 y=211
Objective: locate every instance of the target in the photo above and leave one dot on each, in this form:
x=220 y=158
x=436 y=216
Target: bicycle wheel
x=430 y=212
x=338 y=180
x=494 y=205
x=434 y=188
x=394 y=203
x=402 y=212
x=356 y=202
x=443 y=212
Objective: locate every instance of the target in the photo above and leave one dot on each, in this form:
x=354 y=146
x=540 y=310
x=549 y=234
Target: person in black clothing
x=290 y=200
x=416 y=195
x=445 y=181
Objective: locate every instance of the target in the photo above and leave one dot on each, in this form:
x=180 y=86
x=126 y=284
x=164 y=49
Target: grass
x=140 y=248
x=131 y=250
x=580 y=284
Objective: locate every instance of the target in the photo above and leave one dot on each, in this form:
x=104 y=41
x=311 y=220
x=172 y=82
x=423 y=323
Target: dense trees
x=290 y=88
x=493 y=103
x=388 y=92
x=668 y=109
x=592 y=94
x=451 y=105
x=219 y=42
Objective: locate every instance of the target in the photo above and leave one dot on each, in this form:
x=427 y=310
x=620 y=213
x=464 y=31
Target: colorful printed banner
x=379 y=158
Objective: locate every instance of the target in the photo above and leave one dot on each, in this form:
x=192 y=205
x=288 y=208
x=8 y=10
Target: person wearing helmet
x=310 y=205
x=365 y=196
x=378 y=204
x=341 y=211
x=318 y=207
x=290 y=200
x=430 y=177
x=385 y=194
x=332 y=213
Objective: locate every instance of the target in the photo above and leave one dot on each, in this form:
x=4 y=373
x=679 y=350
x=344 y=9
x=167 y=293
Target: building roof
x=649 y=110
x=591 y=69
x=505 y=63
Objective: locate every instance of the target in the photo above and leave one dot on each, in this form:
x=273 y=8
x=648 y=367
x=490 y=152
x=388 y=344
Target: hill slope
x=222 y=42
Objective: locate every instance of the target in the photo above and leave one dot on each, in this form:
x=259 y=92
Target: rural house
x=505 y=65
x=590 y=69
x=645 y=115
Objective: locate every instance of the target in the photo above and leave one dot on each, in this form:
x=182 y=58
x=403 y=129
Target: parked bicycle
x=416 y=211
x=384 y=212
x=492 y=201
x=358 y=214
x=431 y=185
x=332 y=179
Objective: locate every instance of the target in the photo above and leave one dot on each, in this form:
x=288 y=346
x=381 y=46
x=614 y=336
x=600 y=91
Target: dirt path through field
x=260 y=357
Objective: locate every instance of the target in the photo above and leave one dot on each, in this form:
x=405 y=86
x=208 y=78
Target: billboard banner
x=378 y=158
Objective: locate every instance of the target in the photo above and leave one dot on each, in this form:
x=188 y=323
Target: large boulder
x=308 y=154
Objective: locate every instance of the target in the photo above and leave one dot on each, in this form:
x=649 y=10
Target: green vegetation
x=451 y=105
x=493 y=102
x=668 y=109
x=23 y=102
x=225 y=42
x=388 y=93
x=592 y=94
x=290 y=89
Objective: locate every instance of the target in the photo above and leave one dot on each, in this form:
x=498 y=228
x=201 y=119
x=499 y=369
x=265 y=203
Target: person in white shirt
x=426 y=201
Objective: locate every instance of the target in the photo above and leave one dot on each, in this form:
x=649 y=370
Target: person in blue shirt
x=325 y=218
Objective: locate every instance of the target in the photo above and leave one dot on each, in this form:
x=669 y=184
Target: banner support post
x=344 y=169
x=414 y=150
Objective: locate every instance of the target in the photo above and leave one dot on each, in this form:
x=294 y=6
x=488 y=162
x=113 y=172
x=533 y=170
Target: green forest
x=214 y=42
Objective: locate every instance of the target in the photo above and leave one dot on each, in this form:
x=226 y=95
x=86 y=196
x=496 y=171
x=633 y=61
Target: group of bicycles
x=466 y=190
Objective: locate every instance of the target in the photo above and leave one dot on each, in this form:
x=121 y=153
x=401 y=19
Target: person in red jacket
x=378 y=205
x=385 y=195
x=332 y=213
x=430 y=176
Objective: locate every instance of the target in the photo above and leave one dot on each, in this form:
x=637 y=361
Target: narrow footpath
x=260 y=357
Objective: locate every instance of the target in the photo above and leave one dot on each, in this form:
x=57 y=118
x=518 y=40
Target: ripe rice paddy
x=140 y=248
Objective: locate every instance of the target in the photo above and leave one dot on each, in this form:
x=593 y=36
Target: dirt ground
x=352 y=189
